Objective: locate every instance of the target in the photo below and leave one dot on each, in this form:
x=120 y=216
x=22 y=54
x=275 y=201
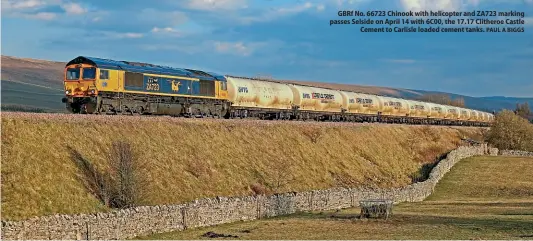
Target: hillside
x=43 y=73
x=186 y=159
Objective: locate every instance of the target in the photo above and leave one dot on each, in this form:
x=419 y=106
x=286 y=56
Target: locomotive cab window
x=73 y=74
x=224 y=85
x=104 y=74
x=89 y=73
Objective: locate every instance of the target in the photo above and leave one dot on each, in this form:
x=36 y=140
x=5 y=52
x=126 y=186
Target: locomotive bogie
x=128 y=103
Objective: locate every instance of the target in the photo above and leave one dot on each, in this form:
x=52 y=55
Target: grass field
x=481 y=198
x=187 y=159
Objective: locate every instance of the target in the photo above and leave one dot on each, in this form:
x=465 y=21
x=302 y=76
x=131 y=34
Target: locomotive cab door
x=222 y=90
x=120 y=80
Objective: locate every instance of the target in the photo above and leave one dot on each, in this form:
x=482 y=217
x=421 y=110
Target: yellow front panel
x=223 y=94
x=79 y=88
x=113 y=81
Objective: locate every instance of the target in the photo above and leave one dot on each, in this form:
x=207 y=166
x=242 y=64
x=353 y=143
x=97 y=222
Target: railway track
x=63 y=117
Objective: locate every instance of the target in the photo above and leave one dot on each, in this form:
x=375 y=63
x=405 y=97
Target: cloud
x=28 y=9
x=42 y=16
x=130 y=35
x=238 y=48
x=243 y=12
x=166 y=31
x=273 y=36
x=274 y=14
x=155 y=17
x=47 y=16
x=22 y=7
x=117 y=35
x=73 y=8
x=185 y=47
x=128 y=20
x=22 y=4
x=40 y=9
x=215 y=5
x=296 y=8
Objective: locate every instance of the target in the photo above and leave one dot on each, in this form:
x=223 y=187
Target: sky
x=284 y=39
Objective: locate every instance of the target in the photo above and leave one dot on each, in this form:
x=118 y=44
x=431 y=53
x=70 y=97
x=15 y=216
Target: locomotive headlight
x=67 y=92
x=92 y=91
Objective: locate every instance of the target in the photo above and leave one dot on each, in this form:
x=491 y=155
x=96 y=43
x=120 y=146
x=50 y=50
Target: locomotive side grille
x=207 y=88
x=133 y=79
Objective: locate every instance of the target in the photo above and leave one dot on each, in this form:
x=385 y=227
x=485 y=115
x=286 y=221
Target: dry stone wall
x=132 y=222
x=516 y=153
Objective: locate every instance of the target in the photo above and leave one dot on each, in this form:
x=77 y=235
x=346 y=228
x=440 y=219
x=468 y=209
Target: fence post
x=184 y=216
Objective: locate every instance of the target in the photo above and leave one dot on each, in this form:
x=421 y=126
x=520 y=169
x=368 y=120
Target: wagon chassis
x=304 y=115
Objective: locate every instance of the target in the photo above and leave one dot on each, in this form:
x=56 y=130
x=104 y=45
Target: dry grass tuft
x=187 y=159
x=120 y=185
x=96 y=182
x=314 y=133
x=259 y=189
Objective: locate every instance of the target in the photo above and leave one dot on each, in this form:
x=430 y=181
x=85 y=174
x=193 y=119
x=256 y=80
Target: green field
x=31 y=96
x=481 y=198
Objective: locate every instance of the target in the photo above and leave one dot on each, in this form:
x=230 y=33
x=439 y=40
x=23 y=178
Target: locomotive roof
x=146 y=68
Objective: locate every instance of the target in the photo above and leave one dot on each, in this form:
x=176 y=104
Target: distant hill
x=38 y=84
